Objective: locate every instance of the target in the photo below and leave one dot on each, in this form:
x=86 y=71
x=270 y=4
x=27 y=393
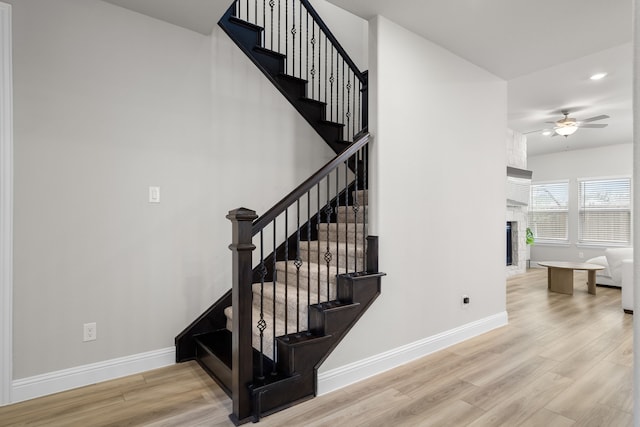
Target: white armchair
x=618 y=263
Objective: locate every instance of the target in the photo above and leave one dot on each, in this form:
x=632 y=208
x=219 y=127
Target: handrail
x=314 y=179
x=333 y=40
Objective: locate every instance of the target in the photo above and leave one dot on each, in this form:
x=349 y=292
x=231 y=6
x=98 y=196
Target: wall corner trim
x=6 y=205
x=345 y=375
x=66 y=379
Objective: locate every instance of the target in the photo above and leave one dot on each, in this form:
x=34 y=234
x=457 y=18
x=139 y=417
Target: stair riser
x=293 y=307
x=247 y=37
x=363 y=197
x=341 y=236
x=341 y=261
x=295 y=88
x=267 y=339
x=313 y=111
x=346 y=214
x=314 y=286
x=273 y=64
x=292 y=277
x=329 y=133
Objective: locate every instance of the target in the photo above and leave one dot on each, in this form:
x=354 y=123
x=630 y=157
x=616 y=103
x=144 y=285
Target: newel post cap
x=242 y=214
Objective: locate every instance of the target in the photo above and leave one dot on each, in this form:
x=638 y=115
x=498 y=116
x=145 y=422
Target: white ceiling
x=197 y=15
x=545 y=49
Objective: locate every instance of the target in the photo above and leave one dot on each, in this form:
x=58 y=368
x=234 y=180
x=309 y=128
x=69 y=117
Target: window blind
x=605 y=211
x=549 y=212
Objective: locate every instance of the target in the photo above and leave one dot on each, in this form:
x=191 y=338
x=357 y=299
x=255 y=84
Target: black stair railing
x=315 y=233
x=293 y=28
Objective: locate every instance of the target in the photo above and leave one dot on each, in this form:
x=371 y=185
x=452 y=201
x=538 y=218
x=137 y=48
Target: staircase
x=316 y=270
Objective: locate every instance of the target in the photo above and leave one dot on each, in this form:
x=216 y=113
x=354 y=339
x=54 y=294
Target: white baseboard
x=345 y=375
x=54 y=382
x=66 y=379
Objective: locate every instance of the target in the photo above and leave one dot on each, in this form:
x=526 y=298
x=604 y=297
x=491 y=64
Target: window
x=549 y=212
x=605 y=211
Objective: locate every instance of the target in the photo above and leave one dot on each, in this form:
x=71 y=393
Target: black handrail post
x=365 y=101
x=372 y=254
x=242 y=350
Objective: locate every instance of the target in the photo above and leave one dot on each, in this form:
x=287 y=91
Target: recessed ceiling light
x=598 y=76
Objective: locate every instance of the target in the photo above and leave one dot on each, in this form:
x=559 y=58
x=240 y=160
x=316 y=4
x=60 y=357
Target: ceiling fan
x=568 y=125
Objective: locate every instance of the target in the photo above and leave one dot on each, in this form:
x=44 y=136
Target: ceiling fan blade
x=532 y=131
x=593 y=119
x=597 y=125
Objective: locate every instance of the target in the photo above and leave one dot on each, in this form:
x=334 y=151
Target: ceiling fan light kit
x=566 y=130
x=568 y=125
x=598 y=76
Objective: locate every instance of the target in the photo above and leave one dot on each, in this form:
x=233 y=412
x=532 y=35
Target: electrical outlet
x=465 y=301
x=90 y=332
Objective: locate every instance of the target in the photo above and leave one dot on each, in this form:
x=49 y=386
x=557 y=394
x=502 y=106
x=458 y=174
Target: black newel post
x=372 y=254
x=242 y=351
x=365 y=101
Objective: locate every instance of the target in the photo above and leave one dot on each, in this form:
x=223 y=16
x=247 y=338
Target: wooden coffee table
x=560 y=275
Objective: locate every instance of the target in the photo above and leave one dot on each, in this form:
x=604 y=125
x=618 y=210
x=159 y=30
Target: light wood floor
x=561 y=361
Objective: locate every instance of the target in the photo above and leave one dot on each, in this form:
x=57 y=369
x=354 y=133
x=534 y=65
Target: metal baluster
x=346 y=211
x=300 y=40
x=343 y=86
x=307 y=51
x=255 y=13
x=264 y=24
x=279 y=20
x=327 y=254
x=338 y=221
x=353 y=120
x=309 y=249
x=319 y=62
x=272 y=3
x=326 y=42
x=247 y=10
x=356 y=208
x=286 y=32
x=348 y=114
x=337 y=87
x=261 y=323
x=313 y=59
x=318 y=219
x=274 y=278
x=293 y=41
x=365 y=202
x=298 y=264
x=286 y=272
x=359 y=105
x=331 y=79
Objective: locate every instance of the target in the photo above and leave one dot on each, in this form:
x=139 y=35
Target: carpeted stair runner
x=315 y=281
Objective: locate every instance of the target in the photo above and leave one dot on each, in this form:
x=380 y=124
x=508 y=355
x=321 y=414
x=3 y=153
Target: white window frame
x=601 y=243
x=566 y=210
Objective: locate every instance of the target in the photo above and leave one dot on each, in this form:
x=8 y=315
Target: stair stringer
x=301 y=355
x=212 y=320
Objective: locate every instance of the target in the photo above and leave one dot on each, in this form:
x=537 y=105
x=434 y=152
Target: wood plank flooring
x=561 y=361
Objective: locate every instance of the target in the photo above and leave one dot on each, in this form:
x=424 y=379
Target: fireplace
x=516 y=243
x=509 y=245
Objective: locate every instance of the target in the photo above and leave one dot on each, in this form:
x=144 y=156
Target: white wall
x=107 y=103
x=609 y=161
x=351 y=31
x=439 y=200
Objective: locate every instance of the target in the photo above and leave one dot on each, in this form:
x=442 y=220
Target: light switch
x=154 y=194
